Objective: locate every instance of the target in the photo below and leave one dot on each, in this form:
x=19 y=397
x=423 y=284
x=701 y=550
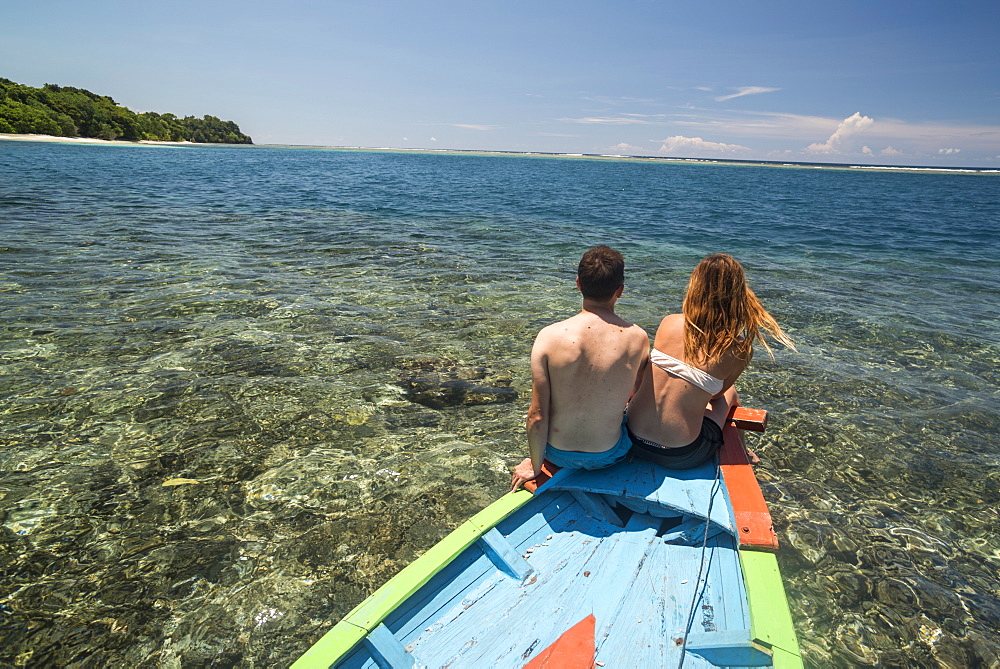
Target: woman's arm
x=734 y=369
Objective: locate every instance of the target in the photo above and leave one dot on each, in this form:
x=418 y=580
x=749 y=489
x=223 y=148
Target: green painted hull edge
x=367 y=615
x=770 y=618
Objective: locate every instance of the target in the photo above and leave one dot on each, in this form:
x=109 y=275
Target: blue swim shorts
x=586 y=460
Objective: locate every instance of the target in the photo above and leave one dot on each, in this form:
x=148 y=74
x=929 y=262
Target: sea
x=241 y=387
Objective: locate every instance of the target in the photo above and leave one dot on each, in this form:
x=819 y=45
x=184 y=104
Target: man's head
x=601 y=273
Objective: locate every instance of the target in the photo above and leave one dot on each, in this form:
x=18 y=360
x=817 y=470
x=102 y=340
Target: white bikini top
x=682 y=370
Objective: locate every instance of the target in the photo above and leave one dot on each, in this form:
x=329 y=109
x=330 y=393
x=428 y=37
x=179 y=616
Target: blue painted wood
x=661 y=602
x=498 y=589
x=555 y=601
x=387 y=651
x=648 y=488
x=638 y=582
x=690 y=532
x=731 y=648
x=471 y=569
x=596 y=506
x=503 y=555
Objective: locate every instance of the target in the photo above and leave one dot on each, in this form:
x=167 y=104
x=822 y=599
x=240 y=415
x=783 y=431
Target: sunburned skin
x=583 y=371
x=667 y=409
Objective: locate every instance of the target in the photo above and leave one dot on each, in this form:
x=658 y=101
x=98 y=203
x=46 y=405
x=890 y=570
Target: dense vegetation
x=74 y=112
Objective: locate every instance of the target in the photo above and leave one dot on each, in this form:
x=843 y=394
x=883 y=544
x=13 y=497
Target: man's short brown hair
x=601 y=273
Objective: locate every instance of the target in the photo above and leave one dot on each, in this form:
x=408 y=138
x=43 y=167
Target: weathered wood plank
x=730 y=648
x=743 y=418
x=753 y=520
x=576 y=576
x=411 y=619
x=650 y=623
x=387 y=651
x=645 y=487
x=574 y=648
x=771 y=621
x=595 y=506
x=503 y=555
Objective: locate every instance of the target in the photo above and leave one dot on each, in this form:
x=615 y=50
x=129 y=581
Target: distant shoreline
x=90 y=140
x=524 y=154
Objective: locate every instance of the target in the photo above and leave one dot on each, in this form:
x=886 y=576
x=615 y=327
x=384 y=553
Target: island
x=64 y=111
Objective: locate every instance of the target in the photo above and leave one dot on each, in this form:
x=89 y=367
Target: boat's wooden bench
x=752 y=519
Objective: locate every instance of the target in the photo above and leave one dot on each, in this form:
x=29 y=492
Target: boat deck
x=564 y=557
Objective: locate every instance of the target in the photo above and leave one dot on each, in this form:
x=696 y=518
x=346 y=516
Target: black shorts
x=697 y=452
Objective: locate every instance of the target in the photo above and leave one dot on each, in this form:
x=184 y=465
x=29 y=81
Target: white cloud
x=948 y=152
x=626 y=149
x=865 y=150
x=679 y=145
x=624 y=119
x=771 y=133
x=747 y=90
x=434 y=139
x=849 y=126
x=473 y=126
x=758 y=125
x=617 y=102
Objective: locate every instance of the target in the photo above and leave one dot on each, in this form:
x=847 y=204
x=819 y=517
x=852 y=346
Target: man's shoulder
x=551 y=335
x=639 y=333
x=555 y=329
x=637 y=329
x=583 y=325
x=638 y=339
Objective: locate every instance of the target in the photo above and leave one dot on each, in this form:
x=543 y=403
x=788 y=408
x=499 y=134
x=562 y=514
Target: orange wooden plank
x=753 y=520
x=754 y=420
x=573 y=650
x=548 y=469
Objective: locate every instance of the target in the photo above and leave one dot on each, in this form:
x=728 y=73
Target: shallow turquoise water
x=272 y=331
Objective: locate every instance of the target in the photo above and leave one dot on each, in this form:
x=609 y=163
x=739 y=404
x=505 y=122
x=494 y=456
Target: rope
x=701 y=566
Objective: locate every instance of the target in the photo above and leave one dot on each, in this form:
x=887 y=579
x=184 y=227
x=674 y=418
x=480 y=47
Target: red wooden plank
x=753 y=520
x=548 y=469
x=754 y=420
x=573 y=650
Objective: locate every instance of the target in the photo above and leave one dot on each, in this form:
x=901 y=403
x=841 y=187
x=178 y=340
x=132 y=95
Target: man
x=583 y=370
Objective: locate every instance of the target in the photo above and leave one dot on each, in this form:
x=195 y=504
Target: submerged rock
x=438 y=385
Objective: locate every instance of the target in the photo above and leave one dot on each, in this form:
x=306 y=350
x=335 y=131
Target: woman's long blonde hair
x=721 y=313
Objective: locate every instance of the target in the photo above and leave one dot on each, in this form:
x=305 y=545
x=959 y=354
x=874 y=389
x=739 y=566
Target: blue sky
x=878 y=82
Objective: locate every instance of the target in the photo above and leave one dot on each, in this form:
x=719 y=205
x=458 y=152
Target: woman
x=676 y=416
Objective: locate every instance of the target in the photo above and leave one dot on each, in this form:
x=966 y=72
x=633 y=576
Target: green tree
x=68 y=111
x=26 y=119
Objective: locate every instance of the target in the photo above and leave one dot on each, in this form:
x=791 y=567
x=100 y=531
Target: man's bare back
x=592 y=361
x=583 y=371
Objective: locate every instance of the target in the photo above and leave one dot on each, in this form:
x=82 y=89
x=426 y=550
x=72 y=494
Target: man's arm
x=537 y=425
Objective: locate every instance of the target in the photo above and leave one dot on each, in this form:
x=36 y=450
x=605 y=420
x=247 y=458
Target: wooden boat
x=630 y=566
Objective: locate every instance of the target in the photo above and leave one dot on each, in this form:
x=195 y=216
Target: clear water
x=242 y=387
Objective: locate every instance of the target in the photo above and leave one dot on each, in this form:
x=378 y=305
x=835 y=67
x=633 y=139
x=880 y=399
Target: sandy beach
x=83 y=140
